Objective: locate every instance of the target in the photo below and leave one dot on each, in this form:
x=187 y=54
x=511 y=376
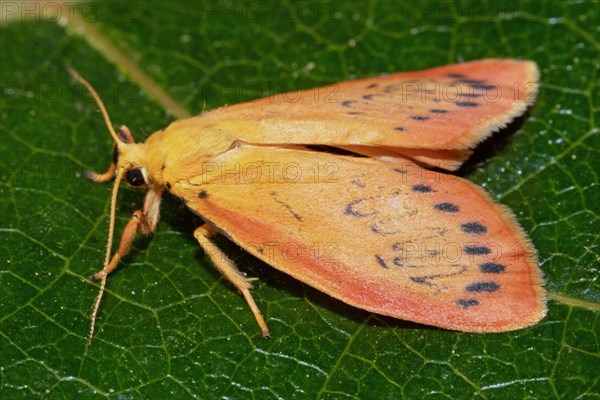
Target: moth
x=370 y=224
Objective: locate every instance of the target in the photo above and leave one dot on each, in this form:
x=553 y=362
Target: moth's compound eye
x=135 y=177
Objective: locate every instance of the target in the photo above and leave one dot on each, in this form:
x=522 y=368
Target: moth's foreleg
x=125 y=135
x=143 y=221
x=229 y=270
x=106 y=176
x=138 y=222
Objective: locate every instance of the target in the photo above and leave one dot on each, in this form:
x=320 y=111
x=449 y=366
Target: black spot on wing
x=377 y=227
x=471 y=81
x=399 y=261
x=358 y=183
x=381 y=261
x=372 y=85
x=480 y=287
x=482 y=86
x=400 y=171
x=430 y=280
x=418 y=118
x=433 y=253
x=287 y=207
x=421 y=280
x=438 y=111
x=393 y=88
x=350 y=211
x=369 y=96
x=399 y=129
x=467 y=104
x=466 y=303
x=477 y=250
x=355 y=113
x=347 y=103
x=447 y=207
x=422 y=188
x=473 y=227
x=203 y=194
x=491 y=268
x=456 y=76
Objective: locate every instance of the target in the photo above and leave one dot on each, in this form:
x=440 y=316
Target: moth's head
x=129 y=162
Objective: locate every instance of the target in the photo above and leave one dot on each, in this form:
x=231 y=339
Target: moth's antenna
x=92 y=91
x=113 y=201
x=111 y=228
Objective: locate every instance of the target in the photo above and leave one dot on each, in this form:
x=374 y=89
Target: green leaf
x=170 y=326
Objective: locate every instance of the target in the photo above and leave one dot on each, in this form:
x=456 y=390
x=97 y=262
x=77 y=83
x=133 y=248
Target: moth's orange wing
x=397 y=240
x=435 y=116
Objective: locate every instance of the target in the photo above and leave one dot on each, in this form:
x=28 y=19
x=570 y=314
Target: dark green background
x=170 y=326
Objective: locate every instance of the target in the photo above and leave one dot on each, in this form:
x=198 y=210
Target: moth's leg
x=137 y=222
x=229 y=270
x=125 y=134
x=126 y=137
x=143 y=221
x=110 y=172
